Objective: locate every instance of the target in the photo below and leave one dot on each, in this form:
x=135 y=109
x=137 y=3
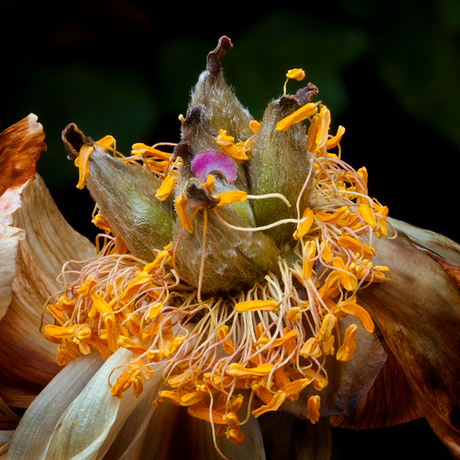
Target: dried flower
x=245 y=276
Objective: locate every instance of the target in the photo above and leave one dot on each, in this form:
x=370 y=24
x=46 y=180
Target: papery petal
x=20 y=148
x=49 y=242
x=171 y=422
x=428 y=239
x=129 y=443
x=50 y=239
x=418 y=313
x=389 y=402
x=38 y=423
x=91 y=423
x=9 y=240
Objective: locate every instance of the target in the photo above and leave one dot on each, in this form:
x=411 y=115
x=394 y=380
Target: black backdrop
x=388 y=70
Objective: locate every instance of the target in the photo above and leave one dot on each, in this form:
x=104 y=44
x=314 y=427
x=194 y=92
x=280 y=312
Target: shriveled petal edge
x=418 y=313
x=39 y=421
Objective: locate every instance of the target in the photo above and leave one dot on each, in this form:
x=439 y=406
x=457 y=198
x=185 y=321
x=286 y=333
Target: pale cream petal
x=38 y=423
x=91 y=423
x=50 y=239
x=10 y=201
x=9 y=240
x=20 y=338
x=129 y=443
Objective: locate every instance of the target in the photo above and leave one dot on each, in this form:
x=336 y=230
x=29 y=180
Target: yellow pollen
x=289 y=335
x=273 y=405
x=81 y=162
x=294 y=314
x=100 y=222
x=309 y=252
x=347 y=279
x=254 y=126
x=238 y=370
x=228 y=146
x=334 y=141
x=355 y=246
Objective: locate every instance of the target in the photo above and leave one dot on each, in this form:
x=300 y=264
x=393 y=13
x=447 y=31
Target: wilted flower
x=245 y=276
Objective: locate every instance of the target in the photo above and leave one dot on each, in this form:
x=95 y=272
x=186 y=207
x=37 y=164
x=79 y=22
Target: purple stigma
x=213 y=162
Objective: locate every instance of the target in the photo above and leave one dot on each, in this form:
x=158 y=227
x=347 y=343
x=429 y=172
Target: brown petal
x=20 y=148
x=439 y=244
x=418 y=313
x=390 y=401
x=349 y=381
x=287 y=437
x=173 y=433
x=8 y=419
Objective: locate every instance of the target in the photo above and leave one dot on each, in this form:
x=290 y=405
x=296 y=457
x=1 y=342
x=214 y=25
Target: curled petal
x=48 y=243
x=20 y=148
x=418 y=313
x=40 y=420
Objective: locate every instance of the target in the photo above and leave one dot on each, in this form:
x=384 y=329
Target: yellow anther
x=296 y=74
x=165 y=188
x=181 y=208
x=234 y=196
x=304 y=227
x=345 y=352
x=313 y=405
x=299 y=115
x=352 y=308
x=256 y=305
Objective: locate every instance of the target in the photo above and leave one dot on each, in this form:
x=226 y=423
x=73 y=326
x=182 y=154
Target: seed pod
x=125 y=196
x=233 y=258
x=223 y=109
x=279 y=164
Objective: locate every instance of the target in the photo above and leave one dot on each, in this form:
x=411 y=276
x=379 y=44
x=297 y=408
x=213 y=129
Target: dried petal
x=421 y=305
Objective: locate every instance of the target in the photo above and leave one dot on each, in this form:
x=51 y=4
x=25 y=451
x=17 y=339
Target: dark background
x=388 y=70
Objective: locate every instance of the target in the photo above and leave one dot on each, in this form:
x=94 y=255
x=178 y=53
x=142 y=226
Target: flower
x=245 y=278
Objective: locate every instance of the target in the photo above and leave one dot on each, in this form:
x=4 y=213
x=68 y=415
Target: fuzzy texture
x=125 y=196
x=279 y=164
